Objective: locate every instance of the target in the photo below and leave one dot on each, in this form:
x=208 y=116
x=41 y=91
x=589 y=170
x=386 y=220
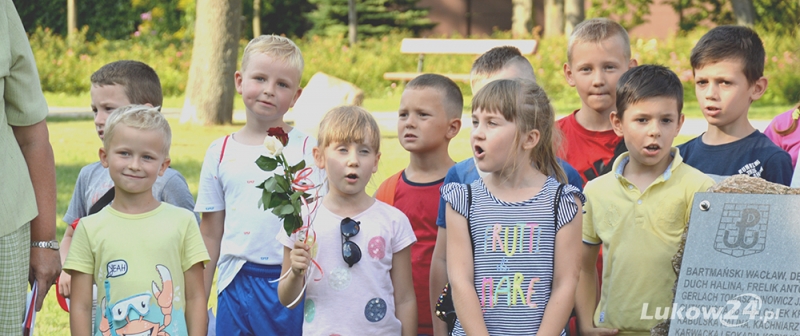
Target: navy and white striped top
x=514 y=244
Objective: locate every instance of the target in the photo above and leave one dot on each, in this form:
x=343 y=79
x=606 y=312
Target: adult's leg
x=15 y=253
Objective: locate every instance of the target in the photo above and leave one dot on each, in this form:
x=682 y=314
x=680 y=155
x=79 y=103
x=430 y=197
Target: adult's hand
x=45 y=269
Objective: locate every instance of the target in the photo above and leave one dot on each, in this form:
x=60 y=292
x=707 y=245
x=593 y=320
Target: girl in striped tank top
x=514 y=236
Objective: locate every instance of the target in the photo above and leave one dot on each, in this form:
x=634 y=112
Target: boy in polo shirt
x=638 y=212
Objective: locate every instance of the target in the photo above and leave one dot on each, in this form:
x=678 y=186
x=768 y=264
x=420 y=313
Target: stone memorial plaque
x=740 y=273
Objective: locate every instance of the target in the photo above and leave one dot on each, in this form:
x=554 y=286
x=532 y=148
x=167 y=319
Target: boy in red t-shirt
x=598 y=53
x=428 y=118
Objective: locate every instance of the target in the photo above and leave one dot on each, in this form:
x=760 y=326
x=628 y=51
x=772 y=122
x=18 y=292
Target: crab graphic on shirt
x=132 y=316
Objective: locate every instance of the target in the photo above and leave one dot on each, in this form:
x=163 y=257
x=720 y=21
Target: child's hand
x=300 y=257
x=64 y=284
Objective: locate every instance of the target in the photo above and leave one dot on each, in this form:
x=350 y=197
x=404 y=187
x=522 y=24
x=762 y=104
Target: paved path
x=387 y=120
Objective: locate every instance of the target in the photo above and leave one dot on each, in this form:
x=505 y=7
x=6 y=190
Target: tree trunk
x=210 y=90
x=256 y=18
x=574 y=13
x=352 y=21
x=72 y=19
x=745 y=12
x=521 y=18
x=553 y=18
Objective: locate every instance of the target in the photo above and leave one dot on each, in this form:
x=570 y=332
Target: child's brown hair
x=525 y=103
x=139 y=80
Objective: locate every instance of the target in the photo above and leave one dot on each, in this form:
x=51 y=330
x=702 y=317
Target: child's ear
x=531 y=139
x=681 y=118
x=616 y=122
x=633 y=63
x=453 y=128
x=237 y=80
x=296 y=96
x=758 y=88
x=103 y=157
x=377 y=159
x=319 y=159
x=164 y=166
x=568 y=75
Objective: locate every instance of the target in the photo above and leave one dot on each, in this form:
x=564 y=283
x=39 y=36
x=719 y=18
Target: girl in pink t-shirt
x=783 y=132
x=353 y=257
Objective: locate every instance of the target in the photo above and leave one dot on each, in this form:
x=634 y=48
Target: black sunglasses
x=350 y=250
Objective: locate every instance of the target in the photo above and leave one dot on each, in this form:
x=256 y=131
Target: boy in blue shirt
x=728 y=65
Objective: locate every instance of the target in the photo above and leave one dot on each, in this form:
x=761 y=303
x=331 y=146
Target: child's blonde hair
x=349 y=124
x=598 y=30
x=524 y=103
x=278 y=47
x=141 y=117
x=793 y=126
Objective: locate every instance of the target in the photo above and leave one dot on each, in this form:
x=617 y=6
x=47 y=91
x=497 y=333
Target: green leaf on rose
x=266 y=198
x=270 y=184
x=287 y=209
x=275 y=201
x=267 y=163
x=291 y=223
x=296 y=168
x=295 y=196
x=283 y=184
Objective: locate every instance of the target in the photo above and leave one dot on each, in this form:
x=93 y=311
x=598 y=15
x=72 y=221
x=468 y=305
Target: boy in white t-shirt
x=239 y=235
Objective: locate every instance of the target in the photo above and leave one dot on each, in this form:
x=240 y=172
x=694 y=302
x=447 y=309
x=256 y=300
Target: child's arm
x=65 y=279
x=586 y=294
x=405 y=301
x=80 y=304
x=298 y=260
x=566 y=269
x=438 y=279
x=212 y=226
x=460 y=270
x=196 y=301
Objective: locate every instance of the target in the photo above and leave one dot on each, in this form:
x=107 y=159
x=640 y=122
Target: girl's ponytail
x=793 y=126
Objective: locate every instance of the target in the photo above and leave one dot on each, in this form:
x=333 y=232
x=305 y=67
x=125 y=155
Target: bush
x=66 y=68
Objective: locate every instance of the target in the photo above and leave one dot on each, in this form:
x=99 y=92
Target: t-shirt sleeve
x=77 y=205
x=22 y=95
x=194 y=249
x=210 y=196
x=451 y=177
x=402 y=233
x=567 y=206
x=456 y=195
x=176 y=192
x=778 y=168
x=589 y=233
x=80 y=257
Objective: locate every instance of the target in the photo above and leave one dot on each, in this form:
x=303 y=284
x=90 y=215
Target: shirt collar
x=622 y=160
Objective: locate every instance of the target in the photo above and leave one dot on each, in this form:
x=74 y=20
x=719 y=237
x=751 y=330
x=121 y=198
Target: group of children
x=502 y=228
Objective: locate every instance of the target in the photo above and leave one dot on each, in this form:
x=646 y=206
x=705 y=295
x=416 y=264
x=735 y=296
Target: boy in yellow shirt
x=637 y=212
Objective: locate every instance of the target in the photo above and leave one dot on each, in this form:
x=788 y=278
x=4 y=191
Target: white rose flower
x=273 y=145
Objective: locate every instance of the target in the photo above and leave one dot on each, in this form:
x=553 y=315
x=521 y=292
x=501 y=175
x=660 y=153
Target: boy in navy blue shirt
x=728 y=65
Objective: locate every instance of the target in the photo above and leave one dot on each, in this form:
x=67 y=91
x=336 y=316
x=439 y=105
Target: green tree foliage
x=778 y=16
x=282 y=17
x=629 y=13
x=375 y=17
x=111 y=19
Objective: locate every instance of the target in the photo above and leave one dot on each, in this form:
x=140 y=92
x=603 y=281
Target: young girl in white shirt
x=353 y=256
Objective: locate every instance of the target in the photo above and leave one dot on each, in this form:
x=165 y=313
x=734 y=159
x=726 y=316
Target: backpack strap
x=469 y=225
x=557 y=203
x=222 y=152
x=386 y=191
x=102 y=202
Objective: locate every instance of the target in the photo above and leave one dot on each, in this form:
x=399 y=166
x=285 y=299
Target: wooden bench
x=424 y=46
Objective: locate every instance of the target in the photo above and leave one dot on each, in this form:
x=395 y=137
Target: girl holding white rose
x=352 y=256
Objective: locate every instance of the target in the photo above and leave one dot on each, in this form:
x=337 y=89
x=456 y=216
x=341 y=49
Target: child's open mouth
x=352 y=178
x=652 y=149
x=478 y=151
